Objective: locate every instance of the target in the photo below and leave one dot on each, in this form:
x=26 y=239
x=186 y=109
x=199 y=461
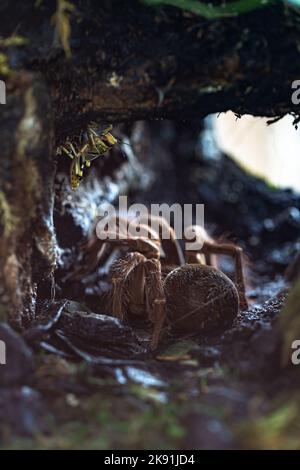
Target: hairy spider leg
x=237 y=253
x=155 y=299
x=197 y=234
x=120 y=271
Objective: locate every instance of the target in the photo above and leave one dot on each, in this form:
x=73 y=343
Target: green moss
x=13 y=41
x=61 y=21
x=210 y=11
x=278 y=429
x=108 y=423
x=5 y=69
x=27 y=172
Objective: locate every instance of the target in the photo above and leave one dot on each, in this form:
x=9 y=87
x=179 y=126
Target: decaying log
x=27 y=241
x=130 y=61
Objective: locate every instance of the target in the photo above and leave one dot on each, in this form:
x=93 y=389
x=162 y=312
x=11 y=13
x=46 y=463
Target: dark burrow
x=89 y=381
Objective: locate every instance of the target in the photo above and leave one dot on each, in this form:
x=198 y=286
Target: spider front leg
x=211 y=247
x=126 y=290
x=155 y=299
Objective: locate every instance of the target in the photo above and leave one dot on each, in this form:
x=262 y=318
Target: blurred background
x=271 y=152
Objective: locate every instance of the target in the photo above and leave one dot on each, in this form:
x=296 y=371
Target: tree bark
x=131 y=61
x=27 y=241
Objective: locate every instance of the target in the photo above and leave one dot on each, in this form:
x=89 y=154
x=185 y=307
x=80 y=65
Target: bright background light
x=271 y=152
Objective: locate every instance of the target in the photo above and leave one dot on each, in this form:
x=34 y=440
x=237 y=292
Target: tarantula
x=150 y=278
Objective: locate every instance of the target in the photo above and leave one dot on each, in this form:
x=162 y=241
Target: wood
x=130 y=61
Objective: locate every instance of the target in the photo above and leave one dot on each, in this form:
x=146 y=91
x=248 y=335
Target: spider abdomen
x=200 y=299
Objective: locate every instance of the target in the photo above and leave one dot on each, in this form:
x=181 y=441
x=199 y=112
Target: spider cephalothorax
x=191 y=294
